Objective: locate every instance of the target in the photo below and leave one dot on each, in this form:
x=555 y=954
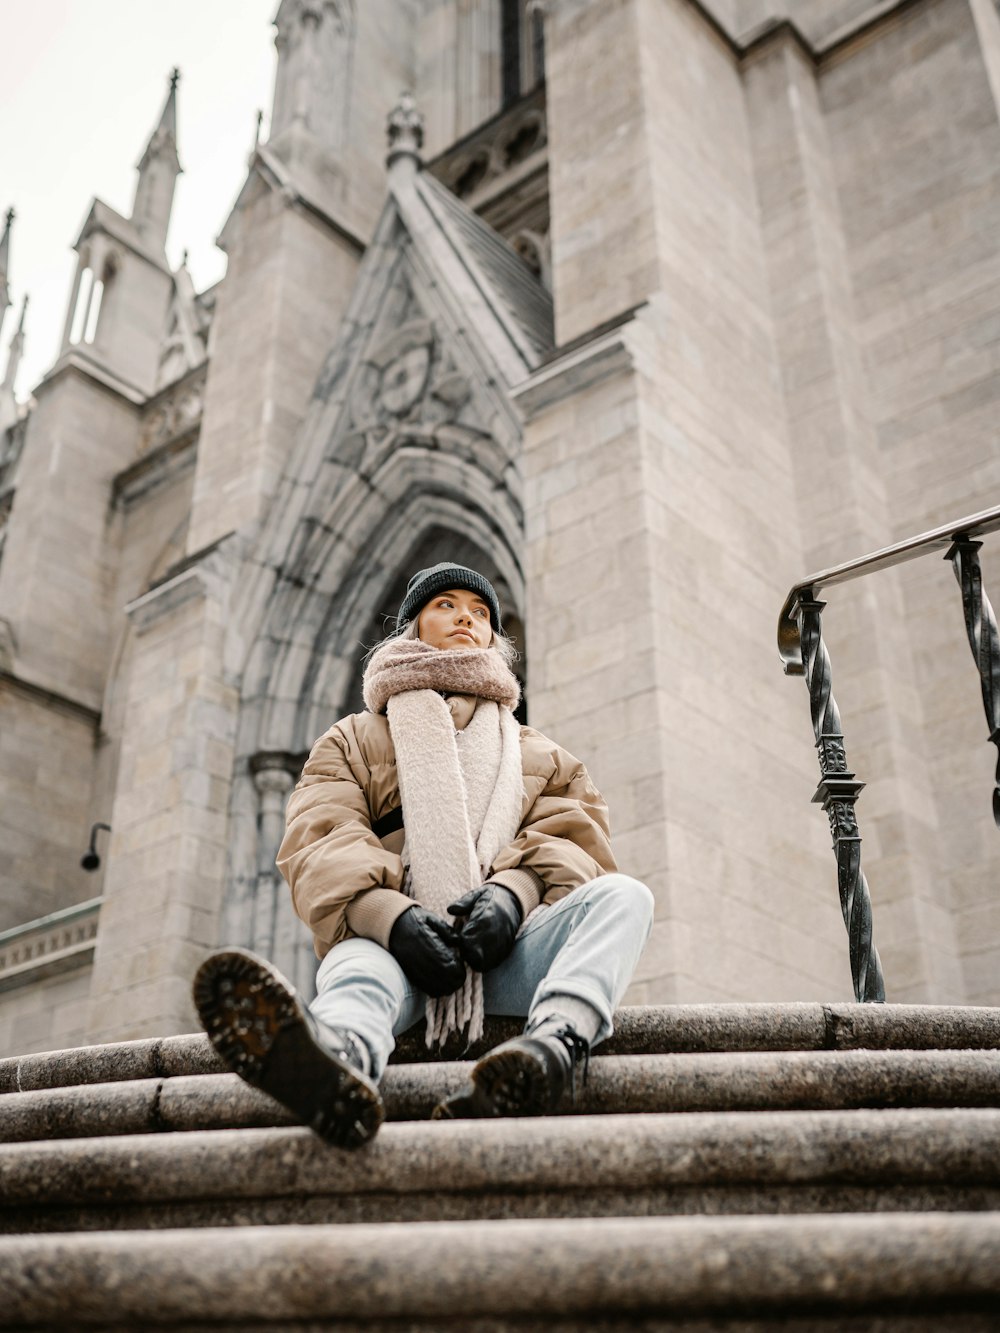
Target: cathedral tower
x=294 y=241
x=58 y=575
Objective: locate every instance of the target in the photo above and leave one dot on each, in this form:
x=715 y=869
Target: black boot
x=525 y=1076
x=263 y=1031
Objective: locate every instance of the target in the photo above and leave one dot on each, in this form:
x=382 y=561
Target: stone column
x=276 y=932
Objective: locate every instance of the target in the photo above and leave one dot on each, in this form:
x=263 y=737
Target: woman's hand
x=426 y=948
x=488 y=921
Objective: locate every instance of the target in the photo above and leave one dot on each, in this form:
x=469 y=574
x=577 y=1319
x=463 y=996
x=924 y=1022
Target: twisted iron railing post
x=837 y=792
x=981 y=627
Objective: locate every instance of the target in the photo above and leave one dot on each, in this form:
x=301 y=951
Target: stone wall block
x=845 y=496
x=165 y=874
x=301 y=274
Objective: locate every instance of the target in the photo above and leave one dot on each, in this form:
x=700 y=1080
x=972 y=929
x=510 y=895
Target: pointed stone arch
x=338 y=585
x=292 y=696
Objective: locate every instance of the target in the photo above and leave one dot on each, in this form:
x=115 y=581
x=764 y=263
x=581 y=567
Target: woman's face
x=455 y=619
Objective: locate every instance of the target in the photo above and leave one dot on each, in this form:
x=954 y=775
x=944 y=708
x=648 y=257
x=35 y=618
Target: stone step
x=640 y=1029
x=690 y=1162
x=646 y=1273
x=735 y=1081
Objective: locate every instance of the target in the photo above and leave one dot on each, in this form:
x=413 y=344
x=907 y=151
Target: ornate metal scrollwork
x=981 y=627
x=837 y=792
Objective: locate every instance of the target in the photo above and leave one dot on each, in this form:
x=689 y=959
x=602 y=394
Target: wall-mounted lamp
x=90 y=860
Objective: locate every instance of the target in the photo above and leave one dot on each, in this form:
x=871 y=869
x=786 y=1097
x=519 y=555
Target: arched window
x=90 y=296
x=81 y=315
x=94 y=313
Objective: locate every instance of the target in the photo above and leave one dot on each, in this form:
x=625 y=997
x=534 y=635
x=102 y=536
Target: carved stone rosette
x=981 y=628
x=837 y=792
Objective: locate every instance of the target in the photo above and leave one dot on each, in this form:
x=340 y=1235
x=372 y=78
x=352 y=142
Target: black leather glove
x=488 y=922
x=426 y=948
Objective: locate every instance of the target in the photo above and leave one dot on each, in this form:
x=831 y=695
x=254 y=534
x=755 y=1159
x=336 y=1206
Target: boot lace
x=579 y=1051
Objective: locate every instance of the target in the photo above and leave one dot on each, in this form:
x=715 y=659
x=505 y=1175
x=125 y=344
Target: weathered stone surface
x=446 y=1205
x=149 y=1058
x=685 y=1027
x=534 y=1155
x=579 y=1267
x=912 y=1026
x=651 y=1029
x=832 y=1321
x=794 y=1080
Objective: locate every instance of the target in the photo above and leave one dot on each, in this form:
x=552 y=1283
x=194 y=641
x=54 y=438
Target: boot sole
x=504 y=1083
x=257 y=1024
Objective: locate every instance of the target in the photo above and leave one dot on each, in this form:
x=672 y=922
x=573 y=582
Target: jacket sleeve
x=332 y=860
x=564 y=840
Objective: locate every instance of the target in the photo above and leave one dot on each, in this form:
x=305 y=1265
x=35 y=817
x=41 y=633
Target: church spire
x=158 y=168
x=8 y=403
x=16 y=350
x=4 y=265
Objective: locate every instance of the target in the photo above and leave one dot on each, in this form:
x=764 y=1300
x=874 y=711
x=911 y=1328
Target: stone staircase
x=727 y=1167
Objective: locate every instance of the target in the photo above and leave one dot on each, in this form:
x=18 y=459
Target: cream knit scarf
x=461 y=790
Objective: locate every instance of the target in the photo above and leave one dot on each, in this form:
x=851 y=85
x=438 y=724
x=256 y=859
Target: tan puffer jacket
x=345 y=881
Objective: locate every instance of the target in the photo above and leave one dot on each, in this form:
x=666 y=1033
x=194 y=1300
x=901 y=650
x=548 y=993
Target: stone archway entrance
x=441 y=544
x=275 y=741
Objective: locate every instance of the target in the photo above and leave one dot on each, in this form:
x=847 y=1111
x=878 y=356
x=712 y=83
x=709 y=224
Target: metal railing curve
x=803 y=653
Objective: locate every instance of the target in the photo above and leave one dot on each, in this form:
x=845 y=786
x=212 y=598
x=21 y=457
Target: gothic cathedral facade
x=648 y=309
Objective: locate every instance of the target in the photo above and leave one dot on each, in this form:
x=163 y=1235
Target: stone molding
x=161 y=465
x=747 y=45
x=42 y=694
x=152 y=606
x=60 y=942
x=201 y=575
x=576 y=369
x=75 y=360
x=106 y=224
x=174 y=412
x=486 y=161
x=266 y=763
x=277 y=176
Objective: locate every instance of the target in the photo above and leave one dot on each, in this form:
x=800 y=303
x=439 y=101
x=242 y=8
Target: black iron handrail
x=803 y=652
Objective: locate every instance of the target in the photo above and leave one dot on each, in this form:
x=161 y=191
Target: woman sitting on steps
x=450 y=864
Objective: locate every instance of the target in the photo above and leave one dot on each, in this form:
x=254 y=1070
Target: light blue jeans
x=586 y=946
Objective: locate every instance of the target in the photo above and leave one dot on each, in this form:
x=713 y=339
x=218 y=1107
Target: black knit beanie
x=427 y=583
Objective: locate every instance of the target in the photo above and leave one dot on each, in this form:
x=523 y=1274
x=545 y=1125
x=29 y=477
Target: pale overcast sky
x=82 y=83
